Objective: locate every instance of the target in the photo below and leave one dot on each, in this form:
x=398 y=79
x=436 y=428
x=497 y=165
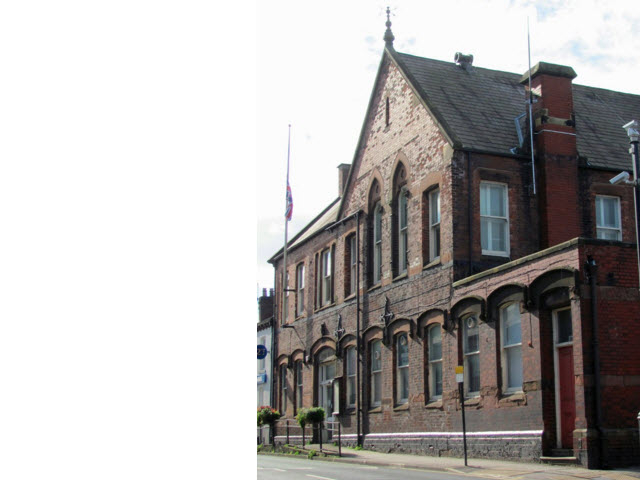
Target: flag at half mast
x=289 y=209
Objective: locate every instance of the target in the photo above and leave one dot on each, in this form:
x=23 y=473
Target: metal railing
x=291 y=429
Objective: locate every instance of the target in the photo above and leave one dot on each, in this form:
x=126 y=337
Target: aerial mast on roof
x=533 y=164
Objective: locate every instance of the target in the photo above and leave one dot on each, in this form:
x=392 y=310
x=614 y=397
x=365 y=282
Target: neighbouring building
x=265 y=365
x=446 y=248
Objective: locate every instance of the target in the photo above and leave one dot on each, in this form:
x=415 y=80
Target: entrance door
x=565 y=377
x=325 y=390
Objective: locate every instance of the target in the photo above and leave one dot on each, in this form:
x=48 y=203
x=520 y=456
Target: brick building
x=445 y=248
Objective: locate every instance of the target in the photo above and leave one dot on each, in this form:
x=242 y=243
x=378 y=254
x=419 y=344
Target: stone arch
x=468 y=305
x=321 y=343
x=435 y=315
x=513 y=292
x=374 y=195
x=553 y=288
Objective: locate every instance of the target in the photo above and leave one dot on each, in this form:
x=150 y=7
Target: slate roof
x=315 y=226
x=477 y=108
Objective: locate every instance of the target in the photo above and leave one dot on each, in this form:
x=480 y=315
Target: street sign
x=262 y=352
x=460 y=374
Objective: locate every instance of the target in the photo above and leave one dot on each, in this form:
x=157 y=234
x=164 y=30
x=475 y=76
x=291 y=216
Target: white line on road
x=321 y=478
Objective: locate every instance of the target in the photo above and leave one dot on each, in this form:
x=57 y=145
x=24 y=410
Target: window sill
x=472 y=401
x=402 y=276
x=486 y=253
x=325 y=307
x=514 y=399
x=349 y=297
x=374 y=287
x=432 y=263
x=300 y=317
x=434 y=404
x=401 y=408
x=375 y=410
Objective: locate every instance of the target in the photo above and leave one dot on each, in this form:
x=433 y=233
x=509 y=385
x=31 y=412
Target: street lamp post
x=633 y=131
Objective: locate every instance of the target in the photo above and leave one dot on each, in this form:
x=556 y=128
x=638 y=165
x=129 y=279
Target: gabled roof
x=477 y=108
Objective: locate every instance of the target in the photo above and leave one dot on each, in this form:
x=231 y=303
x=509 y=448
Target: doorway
x=326 y=375
x=564 y=377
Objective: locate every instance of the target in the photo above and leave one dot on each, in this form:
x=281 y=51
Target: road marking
x=279 y=470
x=321 y=478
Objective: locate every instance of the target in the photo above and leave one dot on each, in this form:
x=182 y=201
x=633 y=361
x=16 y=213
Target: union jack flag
x=289 y=210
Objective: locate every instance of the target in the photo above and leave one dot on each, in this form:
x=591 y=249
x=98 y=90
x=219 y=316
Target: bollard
x=287 y=425
x=303 y=436
x=320 y=435
x=339 y=440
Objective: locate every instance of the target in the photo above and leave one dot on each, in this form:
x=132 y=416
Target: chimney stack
x=556 y=151
x=265 y=305
x=343 y=174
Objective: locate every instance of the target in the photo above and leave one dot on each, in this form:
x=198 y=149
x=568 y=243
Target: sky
x=317 y=61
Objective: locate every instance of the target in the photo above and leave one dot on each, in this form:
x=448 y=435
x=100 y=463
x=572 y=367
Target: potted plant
x=301 y=417
x=268 y=416
x=316 y=416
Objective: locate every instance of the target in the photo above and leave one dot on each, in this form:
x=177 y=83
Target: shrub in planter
x=267 y=416
x=315 y=415
x=301 y=417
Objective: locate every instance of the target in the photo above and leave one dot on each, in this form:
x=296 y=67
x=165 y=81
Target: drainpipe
x=592 y=268
x=470 y=212
x=358 y=343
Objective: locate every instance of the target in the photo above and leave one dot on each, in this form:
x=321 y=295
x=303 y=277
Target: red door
x=567 y=396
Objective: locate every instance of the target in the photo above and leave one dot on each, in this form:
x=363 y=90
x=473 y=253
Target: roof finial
x=388 y=35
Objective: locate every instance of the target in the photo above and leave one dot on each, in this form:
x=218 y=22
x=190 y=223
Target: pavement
x=479 y=467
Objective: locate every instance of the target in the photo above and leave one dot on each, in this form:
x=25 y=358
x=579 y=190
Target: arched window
x=434 y=339
x=471 y=353
x=299 y=383
x=400 y=221
x=351 y=366
x=402 y=369
x=375 y=234
x=283 y=389
x=511 y=348
x=375 y=373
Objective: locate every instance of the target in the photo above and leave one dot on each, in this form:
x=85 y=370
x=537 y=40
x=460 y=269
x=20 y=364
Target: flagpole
x=286 y=232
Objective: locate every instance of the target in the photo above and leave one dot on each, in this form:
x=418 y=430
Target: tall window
x=511 y=348
x=283 y=389
x=351 y=377
x=326 y=374
x=326 y=277
x=471 y=352
x=299 y=289
x=434 y=225
x=402 y=369
x=376 y=373
x=298 y=384
x=435 y=361
x=608 y=218
x=351 y=259
x=494 y=219
x=403 y=237
x=377 y=244
x=324 y=271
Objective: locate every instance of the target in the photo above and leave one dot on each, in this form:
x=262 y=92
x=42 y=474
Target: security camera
x=622 y=177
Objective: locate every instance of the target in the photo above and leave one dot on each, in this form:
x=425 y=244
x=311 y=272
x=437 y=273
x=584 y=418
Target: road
x=286 y=468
